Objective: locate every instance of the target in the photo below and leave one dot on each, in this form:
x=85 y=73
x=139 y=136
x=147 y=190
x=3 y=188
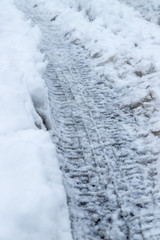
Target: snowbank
x=33 y=202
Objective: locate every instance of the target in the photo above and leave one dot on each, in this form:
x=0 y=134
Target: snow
x=123 y=45
x=33 y=202
x=125 y=49
x=116 y=34
x=149 y=9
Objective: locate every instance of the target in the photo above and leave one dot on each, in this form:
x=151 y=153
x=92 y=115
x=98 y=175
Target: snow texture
x=32 y=197
x=148 y=9
x=103 y=80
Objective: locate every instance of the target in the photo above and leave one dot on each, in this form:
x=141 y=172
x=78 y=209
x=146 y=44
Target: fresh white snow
x=32 y=198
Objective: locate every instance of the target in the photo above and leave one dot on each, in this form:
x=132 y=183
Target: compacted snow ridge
x=32 y=197
x=103 y=82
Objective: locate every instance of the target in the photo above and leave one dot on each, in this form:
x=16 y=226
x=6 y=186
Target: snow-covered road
x=103 y=82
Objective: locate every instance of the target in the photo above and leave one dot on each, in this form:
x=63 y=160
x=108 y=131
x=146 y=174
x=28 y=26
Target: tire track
x=110 y=187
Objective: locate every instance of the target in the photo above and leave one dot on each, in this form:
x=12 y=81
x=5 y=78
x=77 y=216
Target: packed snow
x=33 y=202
